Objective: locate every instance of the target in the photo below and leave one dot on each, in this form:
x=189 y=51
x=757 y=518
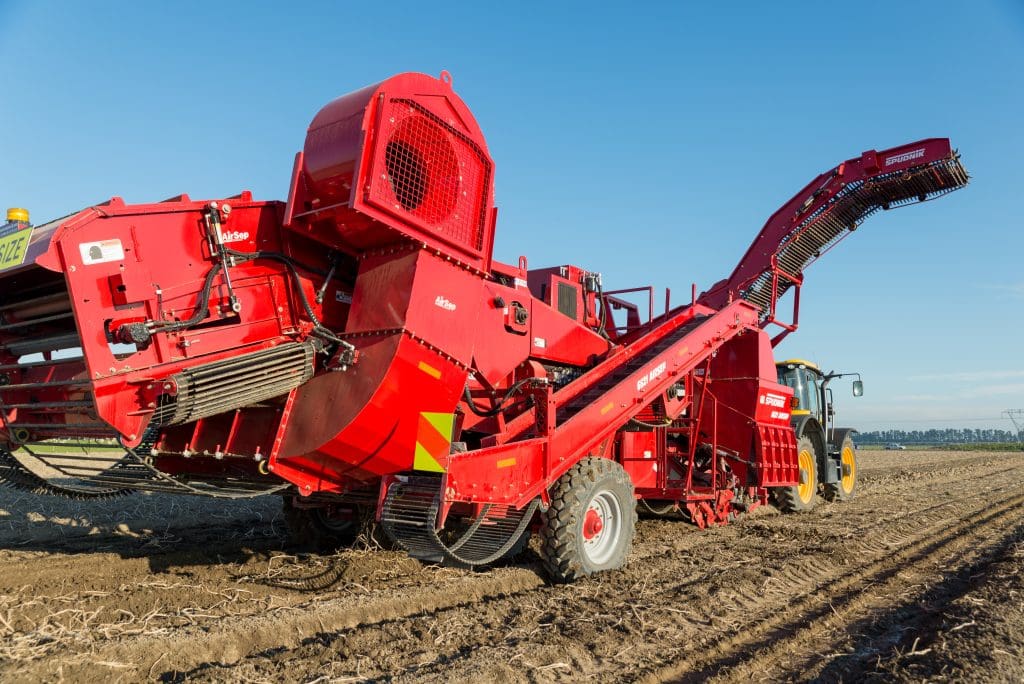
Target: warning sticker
x=101 y=252
x=13 y=245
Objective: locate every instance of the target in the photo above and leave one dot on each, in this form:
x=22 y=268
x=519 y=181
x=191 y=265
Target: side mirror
x=858 y=388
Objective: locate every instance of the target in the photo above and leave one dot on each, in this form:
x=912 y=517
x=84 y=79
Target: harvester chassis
x=358 y=347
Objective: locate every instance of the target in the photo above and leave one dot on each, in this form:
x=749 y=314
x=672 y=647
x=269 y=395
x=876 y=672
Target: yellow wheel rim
x=849 y=470
x=806 y=487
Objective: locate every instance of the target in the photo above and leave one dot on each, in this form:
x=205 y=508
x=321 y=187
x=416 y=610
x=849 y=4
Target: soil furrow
x=816 y=614
x=463 y=655
x=174 y=591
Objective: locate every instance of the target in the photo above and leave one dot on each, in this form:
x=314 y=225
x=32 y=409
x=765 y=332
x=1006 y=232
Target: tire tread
x=560 y=546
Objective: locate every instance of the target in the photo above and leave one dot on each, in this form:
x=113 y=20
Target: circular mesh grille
x=407 y=173
x=423 y=169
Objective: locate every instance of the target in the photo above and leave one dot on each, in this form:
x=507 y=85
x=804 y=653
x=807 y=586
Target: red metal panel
x=148 y=262
x=777 y=466
x=502 y=340
x=365 y=423
x=638 y=454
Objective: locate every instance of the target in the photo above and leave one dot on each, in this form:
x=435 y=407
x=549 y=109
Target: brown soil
x=918 y=578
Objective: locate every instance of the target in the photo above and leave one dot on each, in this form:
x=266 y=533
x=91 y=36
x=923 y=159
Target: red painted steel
x=362 y=332
x=826 y=210
x=400 y=159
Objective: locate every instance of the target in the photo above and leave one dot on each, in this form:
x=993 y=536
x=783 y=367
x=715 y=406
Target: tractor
x=826 y=454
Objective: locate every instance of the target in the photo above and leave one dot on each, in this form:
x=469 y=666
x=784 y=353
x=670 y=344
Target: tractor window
x=811 y=402
x=804 y=387
x=792 y=377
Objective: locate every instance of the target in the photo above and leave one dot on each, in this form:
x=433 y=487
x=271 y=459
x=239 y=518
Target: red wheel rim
x=592 y=524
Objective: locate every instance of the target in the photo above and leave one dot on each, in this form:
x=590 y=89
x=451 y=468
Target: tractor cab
x=807 y=382
x=811 y=394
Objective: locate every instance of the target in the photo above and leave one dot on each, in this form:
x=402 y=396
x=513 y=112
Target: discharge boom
x=358 y=351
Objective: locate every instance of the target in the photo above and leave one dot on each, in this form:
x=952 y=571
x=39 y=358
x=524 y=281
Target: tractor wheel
x=317 y=529
x=590 y=524
x=801 y=496
x=847 y=485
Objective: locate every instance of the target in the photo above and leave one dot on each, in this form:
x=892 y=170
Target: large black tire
x=801 y=497
x=591 y=522
x=847 y=485
x=316 y=529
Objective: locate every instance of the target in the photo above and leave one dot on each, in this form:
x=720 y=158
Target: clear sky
x=647 y=141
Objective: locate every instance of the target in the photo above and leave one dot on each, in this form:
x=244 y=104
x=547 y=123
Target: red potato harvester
x=358 y=351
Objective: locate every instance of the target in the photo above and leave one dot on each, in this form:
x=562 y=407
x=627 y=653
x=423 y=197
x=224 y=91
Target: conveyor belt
x=90 y=470
x=832 y=222
x=828 y=209
x=409 y=516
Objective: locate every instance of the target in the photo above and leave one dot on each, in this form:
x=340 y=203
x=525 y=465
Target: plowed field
x=921 y=576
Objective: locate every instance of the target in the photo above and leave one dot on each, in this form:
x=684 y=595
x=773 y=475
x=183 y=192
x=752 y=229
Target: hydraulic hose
x=500 y=406
x=201 y=312
x=319 y=329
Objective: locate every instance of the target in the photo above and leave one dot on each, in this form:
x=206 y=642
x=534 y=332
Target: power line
x=1016 y=417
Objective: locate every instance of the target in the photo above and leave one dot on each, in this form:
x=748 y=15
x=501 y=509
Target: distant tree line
x=938 y=436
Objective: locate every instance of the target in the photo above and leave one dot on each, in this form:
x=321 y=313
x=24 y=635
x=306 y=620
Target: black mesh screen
x=567 y=300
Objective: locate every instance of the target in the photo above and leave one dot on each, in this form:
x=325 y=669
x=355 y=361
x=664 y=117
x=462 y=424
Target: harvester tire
x=590 y=524
x=847 y=485
x=801 y=497
x=312 y=529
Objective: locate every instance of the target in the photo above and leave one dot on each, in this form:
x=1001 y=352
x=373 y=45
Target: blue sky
x=649 y=142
